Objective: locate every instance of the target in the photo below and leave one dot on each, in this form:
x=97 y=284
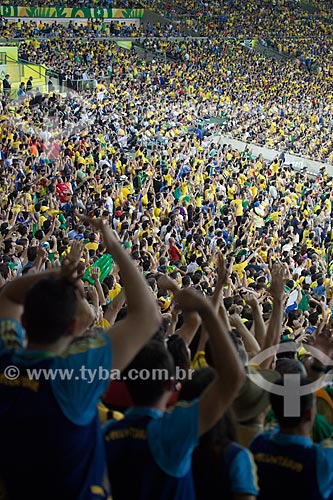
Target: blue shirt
x=222 y=476
x=149 y=453
x=51 y=440
x=291 y=466
x=310 y=329
x=320 y=290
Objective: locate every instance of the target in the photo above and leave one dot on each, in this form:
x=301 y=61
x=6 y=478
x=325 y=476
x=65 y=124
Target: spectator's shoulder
x=327 y=444
x=262 y=437
x=11 y=334
x=85 y=344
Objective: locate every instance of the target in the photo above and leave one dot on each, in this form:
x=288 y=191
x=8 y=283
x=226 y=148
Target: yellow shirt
x=199 y=361
x=115 y=291
x=92 y=245
x=238 y=204
x=239 y=268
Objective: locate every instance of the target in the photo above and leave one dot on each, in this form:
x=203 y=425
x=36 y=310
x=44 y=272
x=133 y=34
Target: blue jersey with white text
x=149 y=453
x=50 y=435
x=291 y=467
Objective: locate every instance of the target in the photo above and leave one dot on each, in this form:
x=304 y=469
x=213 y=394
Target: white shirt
x=192 y=267
x=109 y=204
x=273 y=192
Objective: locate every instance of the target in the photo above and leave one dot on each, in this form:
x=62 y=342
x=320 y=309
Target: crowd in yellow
x=125 y=214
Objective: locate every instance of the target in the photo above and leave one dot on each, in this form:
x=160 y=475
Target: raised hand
x=250 y=299
x=71 y=263
x=279 y=276
x=164 y=282
x=235 y=319
x=93 y=295
x=41 y=255
x=222 y=270
x=75 y=252
x=96 y=224
x=95 y=274
x=189 y=300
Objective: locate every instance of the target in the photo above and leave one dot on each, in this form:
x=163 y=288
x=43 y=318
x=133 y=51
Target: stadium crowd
x=109 y=4
x=134 y=240
x=93 y=28
x=283 y=103
x=260 y=100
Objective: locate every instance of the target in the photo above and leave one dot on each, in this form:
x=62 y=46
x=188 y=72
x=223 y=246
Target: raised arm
x=143 y=318
x=13 y=294
x=191 y=320
x=97 y=284
x=279 y=274
x=230 y=374
x=251 y=345
x=259 y=324
x=113 y=309
x=223 y=273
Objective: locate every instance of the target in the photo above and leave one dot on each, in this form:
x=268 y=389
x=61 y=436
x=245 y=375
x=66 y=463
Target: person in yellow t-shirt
x=237 y=206
x=240 y=264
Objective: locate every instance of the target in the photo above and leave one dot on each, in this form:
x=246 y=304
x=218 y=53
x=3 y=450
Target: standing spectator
x=53 y=417
x=165 y=441
x=21 y=92
x=174 y=253
x=6 y=87
x=50 y=86
x=221 y=467
x=29 y=84
x=287 y=459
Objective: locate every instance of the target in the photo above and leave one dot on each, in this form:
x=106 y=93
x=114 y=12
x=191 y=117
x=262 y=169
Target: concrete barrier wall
x=14 y=70
x=298 y=162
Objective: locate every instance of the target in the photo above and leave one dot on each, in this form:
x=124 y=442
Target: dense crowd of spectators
x=277 y=104
x=136 y=242
x=107 y=4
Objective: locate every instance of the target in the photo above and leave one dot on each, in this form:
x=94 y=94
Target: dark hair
x=39 y=235
x=147 y=391
x=238 y=343
x=50 y=307
x=177 y=348
x=32 y=253
x=8 y=244
x=292 y=349
x=277 y=402
x=109 y=281
x=313 y=318
x=220 y=436
x=186 y=281
x=4 y=270
x=286 y=365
